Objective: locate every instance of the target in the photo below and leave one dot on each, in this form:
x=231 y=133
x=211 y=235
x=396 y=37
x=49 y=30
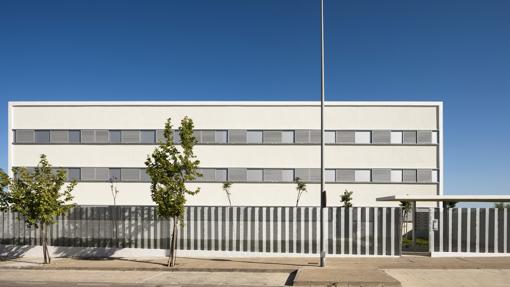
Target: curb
x=183 y=269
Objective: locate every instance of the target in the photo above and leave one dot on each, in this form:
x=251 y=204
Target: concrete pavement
x=451 y=277
x=397 y=271
x=139 y=278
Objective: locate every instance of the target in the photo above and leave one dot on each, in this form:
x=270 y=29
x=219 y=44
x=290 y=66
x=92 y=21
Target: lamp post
x=323 y=180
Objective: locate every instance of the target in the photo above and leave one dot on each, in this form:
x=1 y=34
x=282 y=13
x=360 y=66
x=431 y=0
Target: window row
x=378 y=175
x=226 y=137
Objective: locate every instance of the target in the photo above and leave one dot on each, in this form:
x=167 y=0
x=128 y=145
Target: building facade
x=374 y=149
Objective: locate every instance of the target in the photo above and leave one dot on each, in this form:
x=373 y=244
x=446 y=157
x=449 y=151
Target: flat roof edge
x=224 y=103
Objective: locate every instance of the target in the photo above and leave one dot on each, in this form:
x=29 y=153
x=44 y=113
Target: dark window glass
x=75 y=136
x=42 y=137
x=148 y=137
x=115 y=137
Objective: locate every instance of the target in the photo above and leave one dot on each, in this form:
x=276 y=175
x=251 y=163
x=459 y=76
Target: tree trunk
x=173 y=244
x=44 y=239
x=174 y=256
x=298 y=197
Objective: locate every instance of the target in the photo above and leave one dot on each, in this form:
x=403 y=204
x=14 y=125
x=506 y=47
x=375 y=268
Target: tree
x=113 y=209
x=4 y=195
x=300 y=187
x=449 y=204
x=226 y=188
x=346 y=198
x=406 y=208
x=501 y=205
x=40 y=196
x=169 y=169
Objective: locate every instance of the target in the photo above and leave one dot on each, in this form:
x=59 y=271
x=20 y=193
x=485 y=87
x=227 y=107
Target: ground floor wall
x=253 y=194
x=219 y=231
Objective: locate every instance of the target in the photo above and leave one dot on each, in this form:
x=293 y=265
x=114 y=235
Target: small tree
x=170 y=169
x=346 y=198
x=226 y=189
x=300 y=187
x=501 y=205
x=4 y=195
x=39 y=197
x=406 y=208
x=115 y=192
x=449 y=204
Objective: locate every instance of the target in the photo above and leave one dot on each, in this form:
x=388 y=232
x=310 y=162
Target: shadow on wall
x=13 y=251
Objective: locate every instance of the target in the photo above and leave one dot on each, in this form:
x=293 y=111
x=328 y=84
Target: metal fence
x=472 y=230
x=351 y=231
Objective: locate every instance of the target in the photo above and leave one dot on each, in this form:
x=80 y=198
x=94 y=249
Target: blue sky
x=453 y=51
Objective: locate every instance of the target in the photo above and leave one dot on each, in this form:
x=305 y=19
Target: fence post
x=431 y=230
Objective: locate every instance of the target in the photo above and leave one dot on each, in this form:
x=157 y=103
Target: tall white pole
x=323 y=179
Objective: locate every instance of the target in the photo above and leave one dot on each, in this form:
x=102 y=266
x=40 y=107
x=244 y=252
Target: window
x=148 y=137
x=198 y=136
x=272 y=136
x=114 y=174
x=130 y=136
x=24 y=136
x=101 y=136
x=409 y=137
x=345 y=137
x=409 y=175
x=88 y=174
x=220 y=137
x=435 y=137
x=102 y=174
x=73 y=174
x=208 y=137
x=424 y=137
x=424 y=175
x=208 y=175
x=130 y=174
x=114 y=137
x=177 y=137
x=435 y=176
x=237 y=174
x=287 y=136
x=288 y=175
x=362 y=137
x=330 y=175
x=144 y=177
x=59 y=137
x=345 y=175
x=42 y=137
x=220 y=175
x=272 y=175
x=160 y=136
x=381 y=137
x=238 y=136
x=315 y=136
x=396 y=137
x=396 y=176
x=74 y=136
x=254 y=136
x=302 y=136
x=381 y=175
x=329 y=137
x=254 y=175
x=88 y=136
x=362 y=176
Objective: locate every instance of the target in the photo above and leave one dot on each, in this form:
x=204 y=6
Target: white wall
x=226 y=115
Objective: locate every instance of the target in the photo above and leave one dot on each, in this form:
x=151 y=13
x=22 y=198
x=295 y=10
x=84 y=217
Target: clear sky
x=453 y=51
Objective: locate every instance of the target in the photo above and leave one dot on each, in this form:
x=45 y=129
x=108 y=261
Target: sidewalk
x=399 y=271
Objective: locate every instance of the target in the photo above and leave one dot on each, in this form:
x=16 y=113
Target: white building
x=374 y=149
